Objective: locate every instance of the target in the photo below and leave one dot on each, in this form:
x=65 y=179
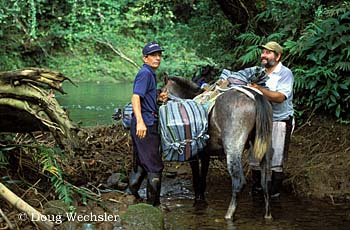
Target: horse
x=234 y=123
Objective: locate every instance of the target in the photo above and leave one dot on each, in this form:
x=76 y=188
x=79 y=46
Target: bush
x=322 y=69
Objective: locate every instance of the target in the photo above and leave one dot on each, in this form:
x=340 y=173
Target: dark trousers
x=146 y=150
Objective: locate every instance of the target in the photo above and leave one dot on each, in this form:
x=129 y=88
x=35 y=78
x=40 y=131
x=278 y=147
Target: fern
x=250 y=56
x=343 y=66
x=48 y=157
x=50 y=165
x=63 y=189
x=250 y=38
x=334 y=11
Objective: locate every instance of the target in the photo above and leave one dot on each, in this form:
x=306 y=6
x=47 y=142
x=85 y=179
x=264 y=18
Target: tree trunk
x=239 y=11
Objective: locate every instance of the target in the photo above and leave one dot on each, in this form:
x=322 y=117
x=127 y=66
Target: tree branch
x=118 y=52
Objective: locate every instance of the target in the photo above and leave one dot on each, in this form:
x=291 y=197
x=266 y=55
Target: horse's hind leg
x=235 y=169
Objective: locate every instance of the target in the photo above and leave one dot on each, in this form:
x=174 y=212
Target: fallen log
x=28 y=104
x=47 y=77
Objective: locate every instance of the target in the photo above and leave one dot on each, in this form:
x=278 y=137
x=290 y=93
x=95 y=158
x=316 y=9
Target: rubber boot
x=276 y=184
x=154 y=181
x=256 y=187
x=135 y=180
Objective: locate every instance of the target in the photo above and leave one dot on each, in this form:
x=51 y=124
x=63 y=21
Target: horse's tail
x=263 y=127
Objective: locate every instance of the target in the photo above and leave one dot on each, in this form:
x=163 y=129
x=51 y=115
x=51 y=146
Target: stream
x=93 y=104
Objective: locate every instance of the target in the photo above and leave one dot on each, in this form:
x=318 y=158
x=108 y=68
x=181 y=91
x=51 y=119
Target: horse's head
x=181 y=87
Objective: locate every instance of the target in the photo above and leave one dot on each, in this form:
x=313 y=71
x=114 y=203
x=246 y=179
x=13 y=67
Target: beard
x=268 y=64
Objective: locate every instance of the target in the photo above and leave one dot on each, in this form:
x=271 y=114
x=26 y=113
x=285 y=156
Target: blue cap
x=151 y=47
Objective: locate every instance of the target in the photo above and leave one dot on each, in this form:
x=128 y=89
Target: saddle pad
x=183 y=127
x=207 y=99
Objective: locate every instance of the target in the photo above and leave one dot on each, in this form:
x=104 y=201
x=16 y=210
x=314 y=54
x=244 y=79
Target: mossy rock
x=142 y=217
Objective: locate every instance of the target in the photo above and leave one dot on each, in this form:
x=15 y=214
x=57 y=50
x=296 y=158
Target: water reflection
x=94 y=103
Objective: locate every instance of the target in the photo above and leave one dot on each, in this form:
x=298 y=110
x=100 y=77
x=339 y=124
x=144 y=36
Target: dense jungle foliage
x=101 y=40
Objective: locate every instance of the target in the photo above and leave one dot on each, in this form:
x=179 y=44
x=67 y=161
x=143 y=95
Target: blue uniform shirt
x=145 y=86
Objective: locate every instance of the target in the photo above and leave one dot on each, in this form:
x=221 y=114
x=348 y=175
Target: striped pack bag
x=183 y=125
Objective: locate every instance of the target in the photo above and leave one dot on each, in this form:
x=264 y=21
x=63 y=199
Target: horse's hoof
x=230 y=217
x=268 y=217
x=200 y=197
x=200 y=203
x=230 y=212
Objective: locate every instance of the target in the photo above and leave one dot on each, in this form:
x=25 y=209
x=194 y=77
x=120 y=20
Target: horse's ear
x=165 y=78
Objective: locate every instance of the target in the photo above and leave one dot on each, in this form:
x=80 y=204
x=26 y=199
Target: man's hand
x=141 y=129
x=272 y=96
x=222 y=83
x=254 y=85
x=163 y=97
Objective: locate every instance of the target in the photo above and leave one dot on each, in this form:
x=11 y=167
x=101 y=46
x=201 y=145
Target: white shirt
x=282 y=80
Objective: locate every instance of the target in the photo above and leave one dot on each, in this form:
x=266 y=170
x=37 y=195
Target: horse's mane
x=185 y=83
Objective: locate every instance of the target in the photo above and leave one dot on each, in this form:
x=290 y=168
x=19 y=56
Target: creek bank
x=319 y=160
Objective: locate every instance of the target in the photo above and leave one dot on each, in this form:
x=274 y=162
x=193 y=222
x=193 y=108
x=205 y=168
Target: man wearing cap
x=275 y=81
x=279 y=92
x=144 y=127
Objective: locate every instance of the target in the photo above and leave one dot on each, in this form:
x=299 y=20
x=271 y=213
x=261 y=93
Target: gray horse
x=235 y=123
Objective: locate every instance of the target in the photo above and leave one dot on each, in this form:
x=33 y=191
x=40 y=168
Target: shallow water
x=288 y=211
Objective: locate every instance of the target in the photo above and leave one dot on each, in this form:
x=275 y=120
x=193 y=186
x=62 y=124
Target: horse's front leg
x=203 y=176
x=199 y=177
x=195 y=179
x=235 y=169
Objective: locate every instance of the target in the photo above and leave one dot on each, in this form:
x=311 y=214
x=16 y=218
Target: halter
x=172 y=96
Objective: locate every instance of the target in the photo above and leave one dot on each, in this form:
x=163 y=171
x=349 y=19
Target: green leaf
x=7 y=148
x=321 y=55
x=312 y=84
x=333 y=99
x=343 y=86
x=337 y=111
x=346 y=15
